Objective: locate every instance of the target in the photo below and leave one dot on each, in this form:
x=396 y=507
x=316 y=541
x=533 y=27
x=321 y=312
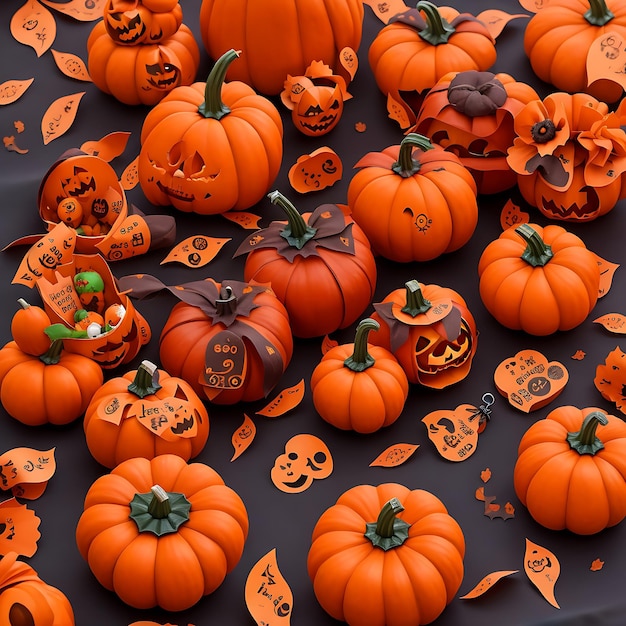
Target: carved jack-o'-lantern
x=131 y=22
x=430 y=331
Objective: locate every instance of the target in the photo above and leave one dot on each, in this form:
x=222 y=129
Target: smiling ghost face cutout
x=306 y=458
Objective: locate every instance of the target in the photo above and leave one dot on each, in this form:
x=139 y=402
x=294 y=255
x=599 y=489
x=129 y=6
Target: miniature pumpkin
x=386 y=555
x=471 y=114
x=414 y=201
x=557 y=41
x=145 y=412
x=209 y=148
x=359 y=387
x=319 y=264
x=570 y=471
x=145 y=73
x=52 y=388
x=280 y=37
x=26 y=600
x=431 y=332
x=28 y=326
x=412 y=52
x=132 y=22
x=539 y=280
x=161 y=532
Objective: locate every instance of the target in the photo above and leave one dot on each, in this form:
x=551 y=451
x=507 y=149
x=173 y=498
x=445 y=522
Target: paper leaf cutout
x=613 y=322
x=328 y=344
x=59 y=116
x=195 y=251
x=81 y=10
x=398 y=112
x=485 y=475
x=543 y=569
x=24 y=466
x=607 y=270
x=511 y=215
x=579 y=355
x=71 y=65
x=306 y=458
x=33 y=25
x=12 y=90
x=606 y=58
x=268 y=596
x=243 y=437
x=315 y=171
x=108 y=147
x=495 y=20
x=246 y=220
x=394 y=455
x=11 y=146
x=384 y=11
x=18 y=528
x=596 y=565
x=487 y=583
x=285 y=401
x=130 y=176
x=610 y=379
x=534 y=6
x=349 y=61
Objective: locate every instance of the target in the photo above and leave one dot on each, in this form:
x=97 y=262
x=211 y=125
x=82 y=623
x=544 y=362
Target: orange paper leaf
x=398 y=112
x=315 y=171
x=108 y=147
x=480 y=494
x=195 y=251
x=512 y=215
x=596 y=565
x=246 y=220
x=485 y=475
x=71 y=65
x=607 y=270
x=12 y=90
x=81 y=10
x=487 y=583
x=33 y=25
x=18 y=528
x=606 y=59
x=268 y=595
x=243 y=437
x=59 y=116
x=613 y=322
x=130 y=175
x=285 y=401
x=495 y=20
x=543 y=569
x=394 y=455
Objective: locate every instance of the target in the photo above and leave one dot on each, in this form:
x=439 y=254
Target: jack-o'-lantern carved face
x=132 y=22
x=161 y=76
x=126 y=28
x=79 y=184
x=318 y=110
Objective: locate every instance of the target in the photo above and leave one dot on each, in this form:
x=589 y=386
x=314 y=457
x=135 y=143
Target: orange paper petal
x=596 y=565
x=108 y=147
x=12 y=90
x=243 y=437
x=33 y=25
x=71 y=65
x=395 y=455
x=487 y=583
x=398 y=112
x=18 y=528
x=246 y=220
x=495 y=20
x=59 y=116
x=543 y=569
x=195 y=251
x=485 y=475
x=285 y=401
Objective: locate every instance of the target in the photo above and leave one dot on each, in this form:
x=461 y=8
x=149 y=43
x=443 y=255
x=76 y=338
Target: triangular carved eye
x=19 y=615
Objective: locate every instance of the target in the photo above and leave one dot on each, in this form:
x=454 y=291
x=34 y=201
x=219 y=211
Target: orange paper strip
x=12 y=90
x=243 y=437
x=18 y=528
x=543 y=569
x=59 y=116
x=395 y=455
x=285 y=401
x=71 y=65
x=487 y=583
x=33 y=25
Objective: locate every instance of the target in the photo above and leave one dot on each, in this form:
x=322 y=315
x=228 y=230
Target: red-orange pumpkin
x=28 y=326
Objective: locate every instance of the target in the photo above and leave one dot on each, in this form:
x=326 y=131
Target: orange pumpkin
x=145 y=73
x=28 y=326
x=145 y=412
x=414 y=201
x=132 y=22
x=161 y=532
x=209 y=148
x=359 y=387
x=431 y=332
x=570 y=471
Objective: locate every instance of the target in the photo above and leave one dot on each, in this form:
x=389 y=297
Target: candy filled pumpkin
x=280 y=37
x=431 y=332
x=538 y=279
x=414 y=201
x=161 y=532
x=26 y=600
x=145 y=412
x=386 y=555
x=211 y=147
x=471 y=113
x=134 y=22
x=359 y=387
x=319 y=264
x=570 y=471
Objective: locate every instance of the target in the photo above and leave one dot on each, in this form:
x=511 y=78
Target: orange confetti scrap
x=579 y=355
x=19 y=126
x=485 y=475
x=360 y=127
x=596 y=565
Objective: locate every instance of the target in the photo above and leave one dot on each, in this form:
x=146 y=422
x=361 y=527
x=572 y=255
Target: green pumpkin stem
x=53 y=354
x=361 y=359
x=598 y=13
x=438 y=30
x=585 y=441
x=537 y=252
x=388 y=531
x=146 y=381
x=415 y=301
x=213 y=106
x=226 y=304
x=159 y=511
x=406 y=165
x=297 y=232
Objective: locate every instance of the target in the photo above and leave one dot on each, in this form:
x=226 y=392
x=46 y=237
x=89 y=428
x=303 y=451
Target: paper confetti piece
x=59 y=116
x=243 y=437
x=487 y=583
x=596 y=565
x=195 y=251
x=10 y=145
x=306 y=458
x=485 y=475
x=246 y=220
x=33 y=25
x=360 y=127
x=19 y=126
x=285 y=401
x=579 y=355
x=268 y=596
x=495 y=20
x=18 y=528
x=108 y=147
x=394 y=455
x=543 y=569
x=71 y=65
x=12 y=90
